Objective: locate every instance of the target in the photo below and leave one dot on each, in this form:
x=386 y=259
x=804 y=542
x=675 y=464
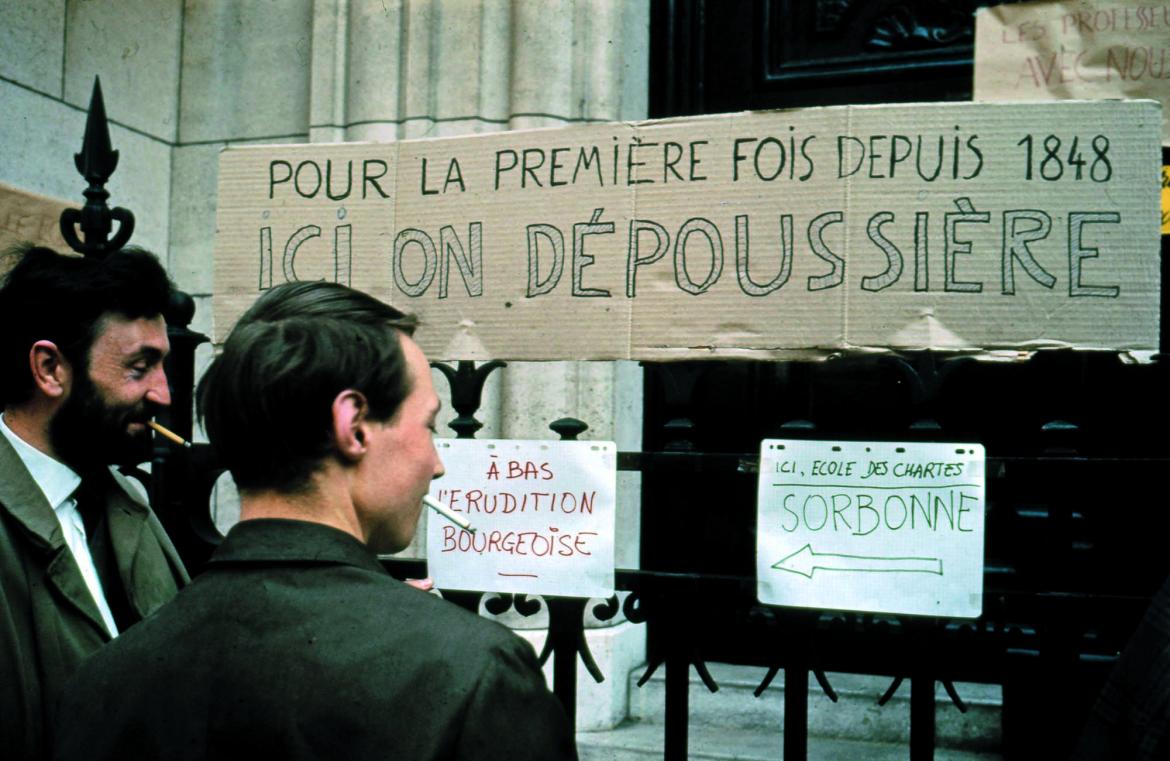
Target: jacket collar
x=279 y=541
x=147 y=569
x=56 y=479
x=141 y=565
x=25 y=502
x=23 y=499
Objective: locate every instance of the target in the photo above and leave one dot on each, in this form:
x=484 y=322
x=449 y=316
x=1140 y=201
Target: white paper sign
x=886 y=527
x=543 y=514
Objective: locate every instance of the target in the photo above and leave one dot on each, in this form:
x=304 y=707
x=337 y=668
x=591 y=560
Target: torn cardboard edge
x=30 y=217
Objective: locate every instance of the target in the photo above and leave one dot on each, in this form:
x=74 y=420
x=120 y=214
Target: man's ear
x=51 y=372
x=350 y=411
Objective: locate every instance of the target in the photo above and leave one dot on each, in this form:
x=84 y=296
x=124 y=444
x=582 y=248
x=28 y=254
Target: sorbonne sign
x=977 y=227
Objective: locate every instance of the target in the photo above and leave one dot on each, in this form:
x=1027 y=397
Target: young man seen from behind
x=295 y=643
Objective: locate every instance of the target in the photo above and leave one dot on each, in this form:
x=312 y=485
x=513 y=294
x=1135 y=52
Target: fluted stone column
x=402 y=70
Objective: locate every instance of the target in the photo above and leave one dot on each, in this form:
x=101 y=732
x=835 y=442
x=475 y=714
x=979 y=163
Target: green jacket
x=48 y=620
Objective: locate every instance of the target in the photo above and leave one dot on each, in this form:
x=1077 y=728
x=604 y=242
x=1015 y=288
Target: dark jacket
x=48 y=619
x=1131 y=719
x=296 y=644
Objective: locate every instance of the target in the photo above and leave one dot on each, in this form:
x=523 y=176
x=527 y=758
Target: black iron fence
x=1065 y=583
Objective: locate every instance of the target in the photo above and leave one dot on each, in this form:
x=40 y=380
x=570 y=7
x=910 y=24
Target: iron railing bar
x=748 y=462
x=796 y=711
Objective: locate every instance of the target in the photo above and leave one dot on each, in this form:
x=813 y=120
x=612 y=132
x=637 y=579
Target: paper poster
x=883 y=527
x=1076 y=49
x=542 y=514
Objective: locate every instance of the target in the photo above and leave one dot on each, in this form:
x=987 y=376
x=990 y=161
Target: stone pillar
x=430 y=68
x=244 y=78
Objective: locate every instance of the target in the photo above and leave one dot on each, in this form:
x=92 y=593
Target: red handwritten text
x=507 y=503
x=553 y=543
x=517 y=469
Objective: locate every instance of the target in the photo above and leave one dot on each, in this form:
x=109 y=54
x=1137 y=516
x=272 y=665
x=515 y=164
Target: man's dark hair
x=47 y=296
x=266 y=401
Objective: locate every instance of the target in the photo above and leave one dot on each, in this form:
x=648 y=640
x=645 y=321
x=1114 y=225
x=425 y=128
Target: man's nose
x=439 y=469
x=159 y=392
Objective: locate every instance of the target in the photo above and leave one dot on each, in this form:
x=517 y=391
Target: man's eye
x=139 y=371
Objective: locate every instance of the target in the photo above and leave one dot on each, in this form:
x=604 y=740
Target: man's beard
x=87 y=433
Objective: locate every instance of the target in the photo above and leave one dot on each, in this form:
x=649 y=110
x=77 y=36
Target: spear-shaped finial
x=96 y=162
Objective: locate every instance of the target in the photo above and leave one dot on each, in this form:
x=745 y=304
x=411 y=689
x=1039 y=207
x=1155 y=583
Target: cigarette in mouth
x=447 y=513
x=167 y=433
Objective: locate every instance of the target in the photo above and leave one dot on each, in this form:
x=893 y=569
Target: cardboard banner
x=1084 y=49
x=973 y=227
x=884 y=527
x=30 y=217
x=543 y=514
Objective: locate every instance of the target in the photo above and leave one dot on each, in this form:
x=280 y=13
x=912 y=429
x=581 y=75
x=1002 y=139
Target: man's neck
x=32 y=426
x=325 y=501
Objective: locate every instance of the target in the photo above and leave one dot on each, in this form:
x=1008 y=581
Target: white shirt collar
x=57 y=480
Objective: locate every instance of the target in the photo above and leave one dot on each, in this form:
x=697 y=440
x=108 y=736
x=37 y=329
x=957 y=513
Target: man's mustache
x=141 y=413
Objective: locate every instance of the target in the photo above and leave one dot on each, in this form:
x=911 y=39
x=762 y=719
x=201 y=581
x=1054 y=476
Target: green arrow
x=806 y=561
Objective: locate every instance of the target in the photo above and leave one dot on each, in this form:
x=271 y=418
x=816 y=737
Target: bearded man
x=82 y=557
